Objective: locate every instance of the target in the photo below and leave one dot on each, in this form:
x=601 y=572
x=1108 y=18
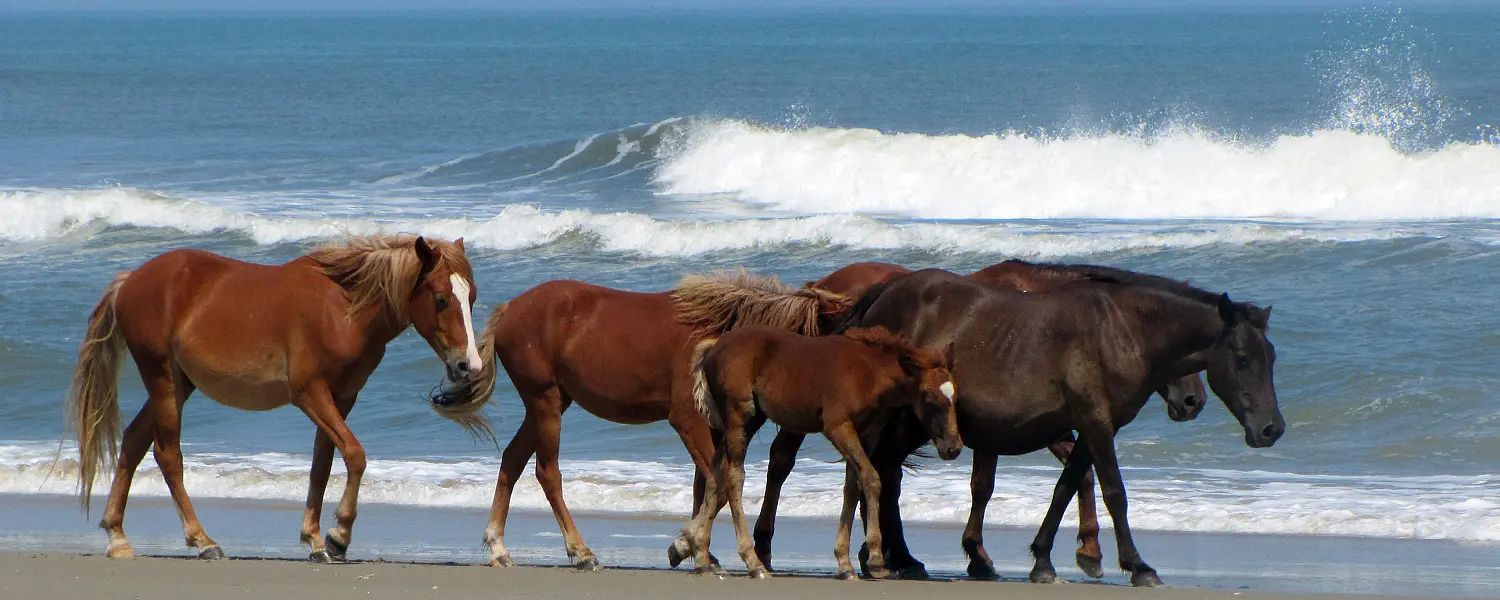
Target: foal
x=844 y=387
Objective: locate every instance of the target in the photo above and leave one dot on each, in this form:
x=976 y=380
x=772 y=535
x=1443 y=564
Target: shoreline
x=74 y=576
x=1211 y=563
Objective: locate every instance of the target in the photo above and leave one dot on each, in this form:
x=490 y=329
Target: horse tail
x=702 y=396
x=464 y=403
x=856 y=314
x=94 y=398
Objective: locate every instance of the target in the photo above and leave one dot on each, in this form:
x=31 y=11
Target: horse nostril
x=1269 y=431
x=463 y=366
x=1190 y=401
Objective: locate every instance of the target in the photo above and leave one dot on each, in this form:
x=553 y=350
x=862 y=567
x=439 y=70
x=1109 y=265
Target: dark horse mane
x=1103 y=274
x=880 y=337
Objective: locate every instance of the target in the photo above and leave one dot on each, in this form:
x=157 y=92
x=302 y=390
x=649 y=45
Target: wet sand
x=68 y=577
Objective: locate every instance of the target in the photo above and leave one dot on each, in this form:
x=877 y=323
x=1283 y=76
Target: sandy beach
x=66 y=577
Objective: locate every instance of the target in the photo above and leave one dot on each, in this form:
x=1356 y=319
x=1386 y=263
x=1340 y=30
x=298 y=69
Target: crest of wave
x=1326 y=174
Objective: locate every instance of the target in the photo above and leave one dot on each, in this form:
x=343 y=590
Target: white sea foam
x=1199 y=500
x=32 y=215
x=1326 y=174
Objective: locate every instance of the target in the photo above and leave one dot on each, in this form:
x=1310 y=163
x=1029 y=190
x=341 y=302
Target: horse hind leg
x=549 y=434
x=168 y=393
x=783 y=458
x=1090 y=556
x=698 y=438
x=138 y=436
x=517 y=453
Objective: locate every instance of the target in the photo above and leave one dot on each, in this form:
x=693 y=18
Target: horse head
x=441 y=307
x=935 y=401
x=1240 y=366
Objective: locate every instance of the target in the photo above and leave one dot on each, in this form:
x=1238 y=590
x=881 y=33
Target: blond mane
x=723 y=300
x=383 y=270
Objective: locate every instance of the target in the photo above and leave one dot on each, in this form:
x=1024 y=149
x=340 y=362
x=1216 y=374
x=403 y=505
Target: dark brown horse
x=1032 y=367
x=258 y=337
x=1183 y=396
x=622 y=356
x=843 y=386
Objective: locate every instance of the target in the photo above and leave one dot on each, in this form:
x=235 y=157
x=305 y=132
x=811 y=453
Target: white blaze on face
x=948 y=390
x=461 y=292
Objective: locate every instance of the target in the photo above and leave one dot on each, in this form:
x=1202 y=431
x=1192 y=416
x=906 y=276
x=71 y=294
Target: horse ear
x=425 y=254
x=1228 y=312
x=460 y=243
x=948 y=356
x=1260 y=317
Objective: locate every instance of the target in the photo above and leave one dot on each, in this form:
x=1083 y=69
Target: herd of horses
x=880 y=359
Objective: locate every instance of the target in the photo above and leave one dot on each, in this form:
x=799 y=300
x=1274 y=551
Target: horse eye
x=1243 y=362
x=442 y=302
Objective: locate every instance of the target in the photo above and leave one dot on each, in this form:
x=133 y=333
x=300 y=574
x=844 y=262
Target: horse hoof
x=1091 y=565
x=913 y=572
x=122 y=551
x=336 y=549
x=982 y=570
x=322 y=557
x=1043 y=575
x=589 y=565
x=678 y=552
x=211 y=553
x=848 y=576
x=879 y=573
x=1146 y=578
x=759 y=573
x=709 y=571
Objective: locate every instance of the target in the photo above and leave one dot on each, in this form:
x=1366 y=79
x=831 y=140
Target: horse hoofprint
x=461 y=289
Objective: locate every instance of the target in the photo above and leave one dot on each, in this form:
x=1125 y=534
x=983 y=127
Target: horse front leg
x=1076 y=465
x=981 y=487
x=517 y=453
x=783 y=458
x=322 y=464
x=846 y=439
x=1102 y=446
x=1089 y=556
x=549 y=438
x=317 y=403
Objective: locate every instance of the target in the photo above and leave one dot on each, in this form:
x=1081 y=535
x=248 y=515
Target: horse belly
x=246 y=385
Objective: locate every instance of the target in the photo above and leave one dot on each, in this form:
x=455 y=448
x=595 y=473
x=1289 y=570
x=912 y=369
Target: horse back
x=619 y=354
x=796 y=379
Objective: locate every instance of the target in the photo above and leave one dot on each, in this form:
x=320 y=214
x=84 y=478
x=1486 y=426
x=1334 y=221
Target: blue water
x=1341 y=166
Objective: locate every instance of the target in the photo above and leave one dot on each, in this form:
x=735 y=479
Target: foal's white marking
x=461 y=291
x=947 y=390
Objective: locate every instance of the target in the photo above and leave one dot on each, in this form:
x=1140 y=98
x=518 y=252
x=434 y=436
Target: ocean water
x=1342 y=166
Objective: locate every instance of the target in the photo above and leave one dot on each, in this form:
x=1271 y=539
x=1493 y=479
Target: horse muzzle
x=1264 y=435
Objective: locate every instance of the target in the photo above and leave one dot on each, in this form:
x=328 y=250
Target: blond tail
x=702 y=396
x=94 y=399
x=464 y=403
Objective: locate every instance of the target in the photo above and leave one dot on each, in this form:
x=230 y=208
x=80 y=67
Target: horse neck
x=376 y=323
x=1175 y=331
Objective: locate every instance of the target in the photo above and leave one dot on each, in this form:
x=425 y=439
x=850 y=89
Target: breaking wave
x=1197 y=500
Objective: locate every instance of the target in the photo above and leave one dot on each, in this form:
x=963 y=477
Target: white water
x=39 y=215
x=1335 y=175
x=1197 y=500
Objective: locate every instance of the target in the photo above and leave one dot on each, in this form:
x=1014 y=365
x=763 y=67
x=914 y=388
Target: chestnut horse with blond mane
x=257 y=337
x=624 y=357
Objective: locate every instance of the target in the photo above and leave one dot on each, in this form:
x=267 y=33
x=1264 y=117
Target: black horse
x=1032 y=367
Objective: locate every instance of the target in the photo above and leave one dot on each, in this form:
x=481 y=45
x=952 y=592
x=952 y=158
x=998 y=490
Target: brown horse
x=844 y=386
x=257 y=337
x=1183 y=396
x=1083 y=357
x=623 y=356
